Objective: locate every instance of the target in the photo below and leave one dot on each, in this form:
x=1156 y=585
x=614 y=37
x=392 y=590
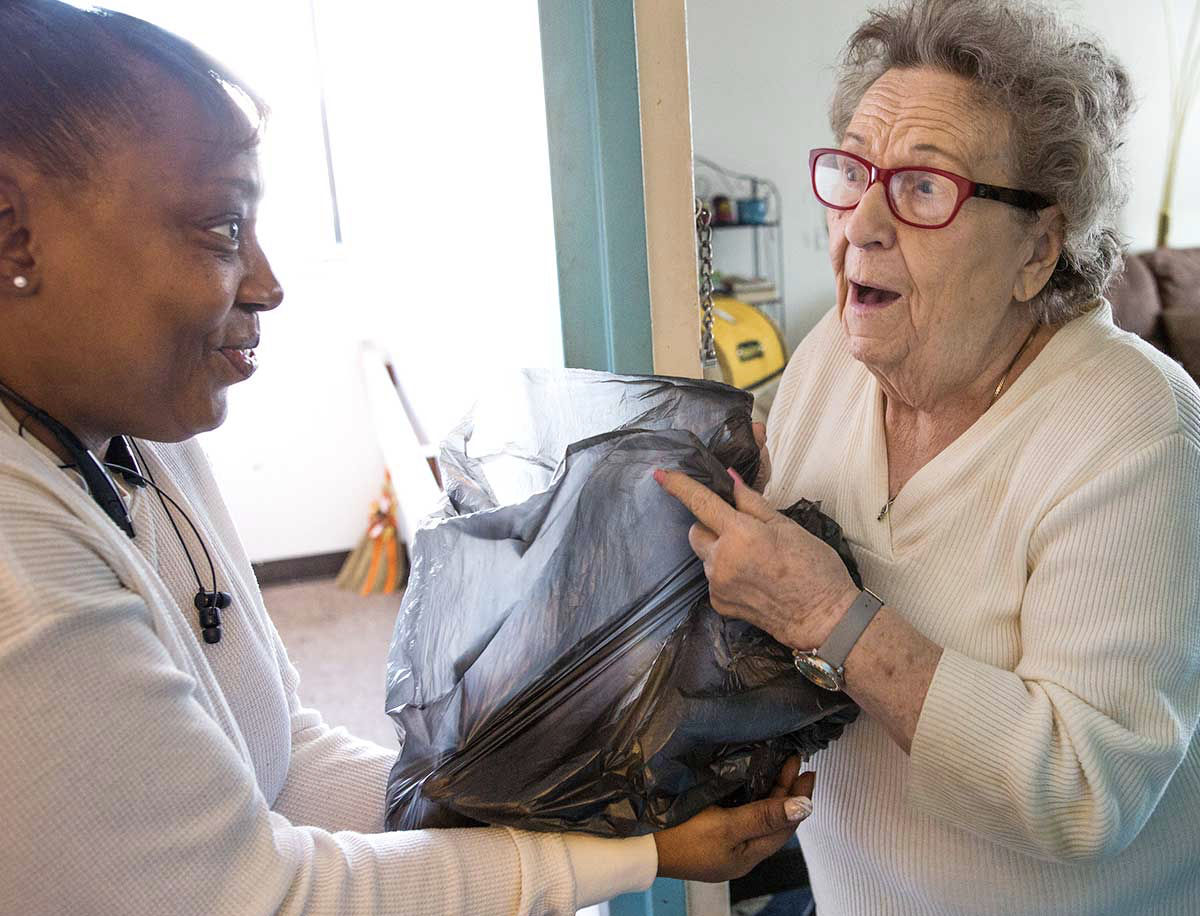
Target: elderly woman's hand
x=762 y=567
x=764 y=458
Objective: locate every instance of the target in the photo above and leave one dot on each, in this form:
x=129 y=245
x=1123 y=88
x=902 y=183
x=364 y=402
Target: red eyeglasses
x=919 y=196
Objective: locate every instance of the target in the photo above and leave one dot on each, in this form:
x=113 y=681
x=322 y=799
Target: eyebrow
x=250 y=189
x=917 y=148
x=931 y=148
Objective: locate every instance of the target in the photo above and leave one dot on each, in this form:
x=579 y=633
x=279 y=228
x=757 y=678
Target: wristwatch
x=825 y=666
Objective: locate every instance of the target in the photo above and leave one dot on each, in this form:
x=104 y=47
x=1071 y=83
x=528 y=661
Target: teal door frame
x=593 y=118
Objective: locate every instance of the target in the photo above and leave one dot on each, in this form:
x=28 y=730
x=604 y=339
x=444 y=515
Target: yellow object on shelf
x=749 y=346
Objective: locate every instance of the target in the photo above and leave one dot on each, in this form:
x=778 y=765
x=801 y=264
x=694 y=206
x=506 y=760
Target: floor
x=339 y=643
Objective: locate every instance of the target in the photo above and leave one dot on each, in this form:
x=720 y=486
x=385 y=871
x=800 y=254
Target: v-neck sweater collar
x=864 y=482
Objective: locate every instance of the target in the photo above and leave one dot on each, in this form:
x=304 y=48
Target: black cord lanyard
x=103 y=489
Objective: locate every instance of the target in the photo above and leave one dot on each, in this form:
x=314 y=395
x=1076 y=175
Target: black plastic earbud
x=210 y=605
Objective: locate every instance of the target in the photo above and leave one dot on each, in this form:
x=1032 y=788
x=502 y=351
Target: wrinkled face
x=150 y=280
x=926 y=308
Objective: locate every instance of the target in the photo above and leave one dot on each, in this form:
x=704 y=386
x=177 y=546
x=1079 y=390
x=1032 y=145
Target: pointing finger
x=750 y=501
x=707 y=506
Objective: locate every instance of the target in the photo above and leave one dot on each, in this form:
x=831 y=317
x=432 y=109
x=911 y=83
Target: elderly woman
x=154 y=755
x=1019 y=480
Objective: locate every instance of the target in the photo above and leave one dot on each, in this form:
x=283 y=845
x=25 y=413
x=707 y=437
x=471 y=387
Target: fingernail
x=659 y=475
x=798 y=808
x=737 y=478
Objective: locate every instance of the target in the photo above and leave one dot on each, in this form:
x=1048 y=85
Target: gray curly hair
x=1069 y=100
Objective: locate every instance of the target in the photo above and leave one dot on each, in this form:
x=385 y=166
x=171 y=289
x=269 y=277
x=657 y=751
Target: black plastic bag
x=555 y=663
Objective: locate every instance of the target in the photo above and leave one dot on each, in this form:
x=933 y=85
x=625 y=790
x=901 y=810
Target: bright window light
x=437 y=132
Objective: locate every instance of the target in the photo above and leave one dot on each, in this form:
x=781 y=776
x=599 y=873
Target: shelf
x=775 y=301
x=763 y=257
x=767 y=225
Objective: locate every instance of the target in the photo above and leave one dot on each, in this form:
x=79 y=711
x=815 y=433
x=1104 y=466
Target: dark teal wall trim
x=589 y=62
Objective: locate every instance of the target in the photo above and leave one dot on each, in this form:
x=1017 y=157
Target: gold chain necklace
x=1015 y=359
x=995 y=395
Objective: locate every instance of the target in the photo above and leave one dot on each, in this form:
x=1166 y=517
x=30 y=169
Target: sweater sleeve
x=338 y=782
x=334 y=781
x=1065 y=757
x=120 y=794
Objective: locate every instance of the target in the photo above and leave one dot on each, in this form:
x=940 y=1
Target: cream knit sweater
x=142 y=772
x=1054 y=551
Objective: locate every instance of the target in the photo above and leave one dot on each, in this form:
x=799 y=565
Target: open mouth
x=872 y=296
x=242 y=359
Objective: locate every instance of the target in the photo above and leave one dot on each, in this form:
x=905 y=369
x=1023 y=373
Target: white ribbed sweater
x=142 y=772
x=1054 y=551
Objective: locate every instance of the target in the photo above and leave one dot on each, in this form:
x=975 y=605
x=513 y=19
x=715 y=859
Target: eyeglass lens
x=924 y=198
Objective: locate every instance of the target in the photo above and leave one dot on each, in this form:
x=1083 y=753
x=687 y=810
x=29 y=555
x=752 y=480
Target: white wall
x=1136 y=33
x=762 y=78
x=440 y=153
x=439 y=136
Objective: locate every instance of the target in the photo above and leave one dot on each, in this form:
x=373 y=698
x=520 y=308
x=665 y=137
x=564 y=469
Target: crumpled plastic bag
x=555 y=663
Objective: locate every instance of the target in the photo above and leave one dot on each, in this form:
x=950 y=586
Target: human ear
x=1042 y=258
x=18 y=273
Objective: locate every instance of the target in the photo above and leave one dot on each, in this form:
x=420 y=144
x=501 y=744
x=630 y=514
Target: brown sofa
x=1158 y=298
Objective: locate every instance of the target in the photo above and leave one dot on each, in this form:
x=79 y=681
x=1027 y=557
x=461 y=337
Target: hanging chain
x=708 y=349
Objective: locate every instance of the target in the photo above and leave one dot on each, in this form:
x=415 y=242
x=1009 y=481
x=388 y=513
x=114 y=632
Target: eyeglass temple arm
x=1026 y=200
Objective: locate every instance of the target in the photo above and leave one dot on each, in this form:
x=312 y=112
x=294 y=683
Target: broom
x=378 y=564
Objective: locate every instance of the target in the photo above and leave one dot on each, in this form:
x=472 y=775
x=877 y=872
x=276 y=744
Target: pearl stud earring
x=20 y=282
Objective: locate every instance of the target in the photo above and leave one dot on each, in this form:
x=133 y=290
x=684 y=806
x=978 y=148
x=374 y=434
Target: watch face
x=819 y=671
